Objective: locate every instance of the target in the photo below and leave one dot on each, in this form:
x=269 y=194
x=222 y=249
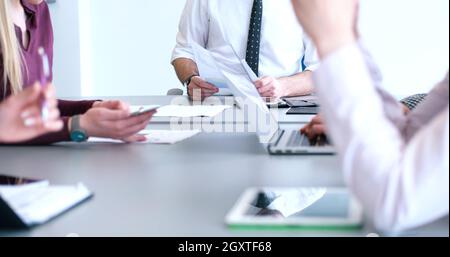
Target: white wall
x=125 y=46
x=67 y=47
x=131 y=44
x=410 y=40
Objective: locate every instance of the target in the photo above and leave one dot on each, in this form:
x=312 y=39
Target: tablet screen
x=296 y=203
x=296 y=207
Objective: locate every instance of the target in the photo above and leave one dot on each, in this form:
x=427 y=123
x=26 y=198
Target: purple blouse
x=39 y=26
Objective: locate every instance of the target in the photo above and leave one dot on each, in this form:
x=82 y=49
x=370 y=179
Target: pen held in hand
x=44 y=77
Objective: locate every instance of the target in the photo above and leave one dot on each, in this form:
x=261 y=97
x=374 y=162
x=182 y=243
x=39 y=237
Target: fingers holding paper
x=199 y=89
x=270 y=87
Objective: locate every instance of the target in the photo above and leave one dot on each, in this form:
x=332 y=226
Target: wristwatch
x=77 y=134
x=188 y=81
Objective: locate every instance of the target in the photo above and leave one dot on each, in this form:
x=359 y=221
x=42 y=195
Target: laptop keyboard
x=297 y=139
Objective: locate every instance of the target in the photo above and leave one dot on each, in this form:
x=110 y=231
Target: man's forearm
x=298 y=84
x=185 y=68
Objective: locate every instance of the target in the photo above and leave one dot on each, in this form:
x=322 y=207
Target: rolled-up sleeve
x=194 y=26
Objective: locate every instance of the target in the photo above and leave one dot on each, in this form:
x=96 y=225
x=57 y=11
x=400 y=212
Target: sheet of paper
x=242 y=87
x=207 y=66
x=289 y=202
x=38 y=204
x=182 y=111
x=155 y=137
x=251 y=74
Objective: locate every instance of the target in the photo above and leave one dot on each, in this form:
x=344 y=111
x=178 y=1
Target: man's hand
x=315 y=128
x=199 y=89
x=270 y=87
x=330 y=23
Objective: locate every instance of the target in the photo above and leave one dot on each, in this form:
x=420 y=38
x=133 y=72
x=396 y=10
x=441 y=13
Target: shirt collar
x=29 y=8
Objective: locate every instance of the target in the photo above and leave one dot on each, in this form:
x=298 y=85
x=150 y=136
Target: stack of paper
x=155 y=137
x=39 y=202
x=182 y=111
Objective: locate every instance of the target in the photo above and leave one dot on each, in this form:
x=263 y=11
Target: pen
x=44 y=76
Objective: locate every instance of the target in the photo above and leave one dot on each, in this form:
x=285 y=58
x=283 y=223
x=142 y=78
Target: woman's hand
x=315 y=128
x=111 y=119
x=331 y=24
x=111 y=104
x=20 y=115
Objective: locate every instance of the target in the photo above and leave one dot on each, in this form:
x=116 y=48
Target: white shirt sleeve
x=311 y=60
x=436 y=101
x=194 y=26
x=401 y=184
x=393 y=109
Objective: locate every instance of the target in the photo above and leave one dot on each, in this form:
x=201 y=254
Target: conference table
x=185 y=189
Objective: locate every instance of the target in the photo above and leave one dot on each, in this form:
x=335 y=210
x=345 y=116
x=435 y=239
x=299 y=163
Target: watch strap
x=77 y=133
x=189 y=79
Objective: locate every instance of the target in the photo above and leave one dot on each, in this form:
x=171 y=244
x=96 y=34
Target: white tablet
x=309 y=208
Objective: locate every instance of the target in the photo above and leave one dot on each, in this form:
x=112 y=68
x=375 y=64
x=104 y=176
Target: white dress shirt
x=398 y=166
x=215 y=23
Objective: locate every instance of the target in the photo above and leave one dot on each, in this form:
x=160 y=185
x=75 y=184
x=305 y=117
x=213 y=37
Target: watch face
x=78 y=136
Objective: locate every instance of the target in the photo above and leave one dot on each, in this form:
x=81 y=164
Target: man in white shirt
x=263 y=32
x=396 y=164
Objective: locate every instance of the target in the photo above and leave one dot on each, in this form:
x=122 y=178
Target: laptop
x=277 y=141
x=293 y=142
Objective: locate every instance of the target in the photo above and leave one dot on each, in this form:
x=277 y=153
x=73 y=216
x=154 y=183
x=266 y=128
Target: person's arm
x=393 y=110
x=436 y=101
x=185 y=68
x=106 y=119
x=296 y=85
x=193 y=27
x=401 y=185
x=67 y=110
x=71 y=108
x=302 y=82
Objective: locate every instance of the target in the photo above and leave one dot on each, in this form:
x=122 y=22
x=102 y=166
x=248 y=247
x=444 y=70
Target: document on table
x=182 y=111
x=39 y=202
x=155 y=137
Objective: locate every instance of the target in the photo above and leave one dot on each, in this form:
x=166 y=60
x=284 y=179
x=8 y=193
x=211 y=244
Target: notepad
x=39 y=202
x=182 y=111
x=155 y=137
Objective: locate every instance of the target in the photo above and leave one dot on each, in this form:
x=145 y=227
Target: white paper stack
x=155 y=137
x=187 y=111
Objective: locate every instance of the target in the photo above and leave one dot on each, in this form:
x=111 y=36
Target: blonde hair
x=10 y=51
